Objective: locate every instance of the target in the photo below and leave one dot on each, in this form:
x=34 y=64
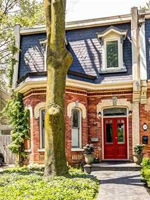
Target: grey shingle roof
x=86 y=50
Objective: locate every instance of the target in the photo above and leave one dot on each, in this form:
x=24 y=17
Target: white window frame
x=41 y=148
x=120 y=54
x=80 y=131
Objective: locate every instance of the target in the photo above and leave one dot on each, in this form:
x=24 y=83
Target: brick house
x=107 y=89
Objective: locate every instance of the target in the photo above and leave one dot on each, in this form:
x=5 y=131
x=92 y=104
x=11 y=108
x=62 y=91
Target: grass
x=29 y=184
x=145 y=172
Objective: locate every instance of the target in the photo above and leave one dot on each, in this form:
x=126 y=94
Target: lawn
x=29 y=184
x=145 y=172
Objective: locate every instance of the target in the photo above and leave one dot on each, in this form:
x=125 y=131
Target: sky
x=89 y=9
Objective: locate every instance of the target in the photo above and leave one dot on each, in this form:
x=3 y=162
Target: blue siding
x=86 y=51
x=31 y=55
x=147 y=38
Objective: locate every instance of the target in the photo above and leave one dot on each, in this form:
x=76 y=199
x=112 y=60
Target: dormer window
x=112 y=54
x=112 y=50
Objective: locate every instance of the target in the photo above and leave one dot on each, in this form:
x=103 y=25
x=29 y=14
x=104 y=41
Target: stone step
x=112 y=166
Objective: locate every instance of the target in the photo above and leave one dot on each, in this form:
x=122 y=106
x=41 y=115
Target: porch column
x=136 y=76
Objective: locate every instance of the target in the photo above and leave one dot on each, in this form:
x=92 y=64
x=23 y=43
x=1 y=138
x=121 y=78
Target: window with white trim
x=112 y=54
x=76 y=128
x=112 y=50
x=42 y=128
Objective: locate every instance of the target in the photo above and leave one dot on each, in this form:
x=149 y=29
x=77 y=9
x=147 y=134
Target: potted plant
x=88 y=153
x=138 y=155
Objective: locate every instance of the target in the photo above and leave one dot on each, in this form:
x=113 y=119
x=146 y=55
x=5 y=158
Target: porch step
x=112 y=166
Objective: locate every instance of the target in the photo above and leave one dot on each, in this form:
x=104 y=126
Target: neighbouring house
x=4 y=123
x=5 y=128
x=107 y=89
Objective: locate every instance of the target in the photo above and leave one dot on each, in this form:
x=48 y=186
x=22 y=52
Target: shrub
x=145 y=172
x=139 y=148
x=25 y=184
x=35 y=167
x=146 y=162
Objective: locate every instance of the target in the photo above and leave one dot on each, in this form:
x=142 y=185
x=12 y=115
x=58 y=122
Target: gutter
x=82 y=24
x=26 y=86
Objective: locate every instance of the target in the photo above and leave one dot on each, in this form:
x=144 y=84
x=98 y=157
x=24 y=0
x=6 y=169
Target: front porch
x=112 y=166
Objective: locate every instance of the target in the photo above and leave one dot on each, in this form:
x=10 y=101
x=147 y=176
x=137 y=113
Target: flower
x=139 y=148
x=88 y=149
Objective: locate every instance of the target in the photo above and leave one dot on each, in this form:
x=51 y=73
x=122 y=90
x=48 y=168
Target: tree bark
x=58 y=62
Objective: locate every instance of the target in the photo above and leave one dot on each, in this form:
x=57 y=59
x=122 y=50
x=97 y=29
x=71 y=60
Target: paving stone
x=121 y=185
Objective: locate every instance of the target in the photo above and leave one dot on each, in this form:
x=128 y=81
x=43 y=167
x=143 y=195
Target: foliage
x=35 y=167
x=139 y=148
x=146 y=7
x=24 y=12
x=26 y=184
x=145 y=172
x=146 y=162
x=19 y=120
x=88 y=149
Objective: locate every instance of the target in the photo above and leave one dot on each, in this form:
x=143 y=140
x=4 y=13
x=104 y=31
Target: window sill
x=112 y=71
x=41 y=150
x=28 y=150
x=77 y=149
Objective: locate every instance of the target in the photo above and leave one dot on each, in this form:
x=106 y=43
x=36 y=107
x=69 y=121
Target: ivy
x=19 y=121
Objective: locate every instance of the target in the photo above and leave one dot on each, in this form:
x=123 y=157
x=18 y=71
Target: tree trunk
x=58 y=61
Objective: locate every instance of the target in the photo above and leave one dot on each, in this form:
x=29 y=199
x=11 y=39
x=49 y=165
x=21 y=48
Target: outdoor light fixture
x=99 y=114
x=130 y=112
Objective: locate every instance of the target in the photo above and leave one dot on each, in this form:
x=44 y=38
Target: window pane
x=42 y=129
x=120 y=130
x=75 y=128
x=75 y=118
x=115 y=111
x=109 y=133
x=75 y=138
x=112 y=54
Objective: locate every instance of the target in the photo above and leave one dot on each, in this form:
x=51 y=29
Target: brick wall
x=75 y=157
x=95 y=124
x=145 y=118
x=91 y=125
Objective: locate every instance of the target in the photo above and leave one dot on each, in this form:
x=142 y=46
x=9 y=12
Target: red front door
x=115 y=138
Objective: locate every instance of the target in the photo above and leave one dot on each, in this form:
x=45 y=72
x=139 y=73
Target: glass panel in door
x=109 y=133
x=121 y=132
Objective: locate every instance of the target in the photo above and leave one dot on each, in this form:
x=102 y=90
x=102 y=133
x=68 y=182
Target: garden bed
x=29 y=184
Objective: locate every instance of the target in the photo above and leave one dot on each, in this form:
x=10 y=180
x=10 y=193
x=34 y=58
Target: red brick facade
x=145 y=118
x=91 y=125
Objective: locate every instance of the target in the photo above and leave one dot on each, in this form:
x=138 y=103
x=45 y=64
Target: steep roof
x=86 y=49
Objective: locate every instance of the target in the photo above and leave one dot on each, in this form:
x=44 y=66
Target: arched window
x=76 y=128
x=42 y=128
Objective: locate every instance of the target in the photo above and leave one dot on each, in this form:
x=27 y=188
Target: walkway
x=121 y=185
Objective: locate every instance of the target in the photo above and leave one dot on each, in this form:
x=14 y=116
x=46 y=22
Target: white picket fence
x=9 y=157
